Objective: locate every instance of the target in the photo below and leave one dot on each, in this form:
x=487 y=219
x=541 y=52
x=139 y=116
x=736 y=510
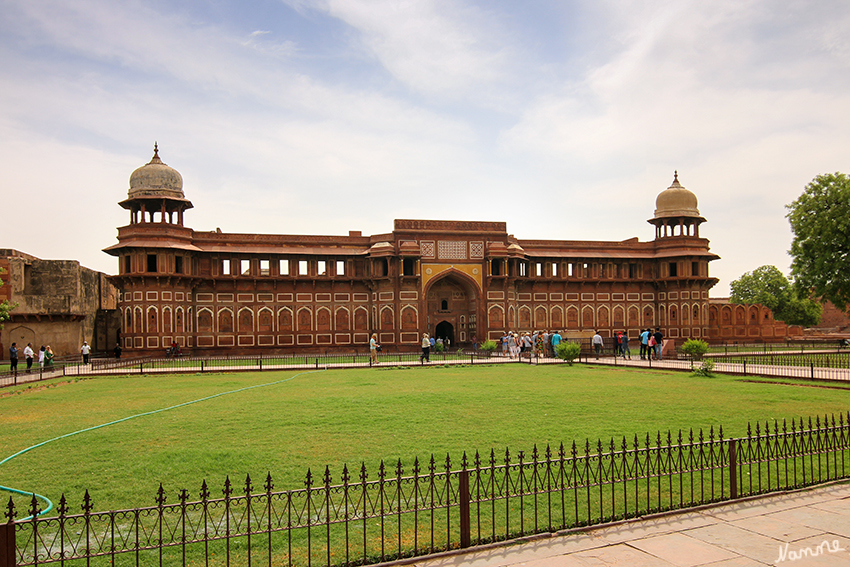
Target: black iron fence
x=363 y=517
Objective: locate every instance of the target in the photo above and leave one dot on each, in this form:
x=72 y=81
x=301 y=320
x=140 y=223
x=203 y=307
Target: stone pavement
x=802 y=528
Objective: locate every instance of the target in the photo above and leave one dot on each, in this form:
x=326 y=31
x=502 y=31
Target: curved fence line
x=362 y=517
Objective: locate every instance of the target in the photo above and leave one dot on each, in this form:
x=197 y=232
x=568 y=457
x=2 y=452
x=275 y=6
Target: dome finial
x=675 y=175
x=155 y=158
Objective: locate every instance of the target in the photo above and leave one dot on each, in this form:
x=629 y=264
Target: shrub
x=568 y=351
x=488 y=345
x=705 y=369
x=439 y=347
x=695 y=348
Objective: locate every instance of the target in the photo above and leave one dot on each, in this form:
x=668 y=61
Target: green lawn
x=351 y=416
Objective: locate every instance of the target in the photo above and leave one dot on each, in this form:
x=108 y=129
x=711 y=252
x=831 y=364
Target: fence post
x=733 y=468
x=7 y=545
x=463 y=497
x=813 y=370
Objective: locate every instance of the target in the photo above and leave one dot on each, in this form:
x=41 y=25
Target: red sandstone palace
x=215 y=291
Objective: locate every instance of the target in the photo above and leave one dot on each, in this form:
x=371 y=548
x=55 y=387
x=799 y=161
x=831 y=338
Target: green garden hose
x=49 y=503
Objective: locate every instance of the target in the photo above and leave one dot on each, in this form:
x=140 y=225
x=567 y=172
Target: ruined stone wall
x=59 y=303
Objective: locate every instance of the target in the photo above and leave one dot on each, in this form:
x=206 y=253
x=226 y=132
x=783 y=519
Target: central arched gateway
x=452 y=308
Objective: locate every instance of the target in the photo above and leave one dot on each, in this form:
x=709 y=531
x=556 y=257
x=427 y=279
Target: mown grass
x=352 y=416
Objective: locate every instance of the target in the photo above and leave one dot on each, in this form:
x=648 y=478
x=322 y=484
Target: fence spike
x=228 y=490
x=34 y=508
x=398 y=469
x=87 y=503
x=269 y=486
x=62 y=509
x=183 y=496
x=248 y=486
x=205 y=492
x=10 y=510
x=416 y=468
x=160 y=496
x=363 y=474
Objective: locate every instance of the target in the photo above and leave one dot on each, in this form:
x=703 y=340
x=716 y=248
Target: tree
x=820 y=221
x=769 y=287
x=765 y=285
x=5 y=306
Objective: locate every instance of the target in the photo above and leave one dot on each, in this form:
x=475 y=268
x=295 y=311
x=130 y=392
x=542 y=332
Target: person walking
x=373 y=348
x=659 y=342
x=41 y=352
x=644 y=342
x=48 y=356
x=13 y=358
x=117 y=350
x=28 y=354
x=624 y=345
x=597 y=344
x=85 y=350
x=556 y=340
x=426 y=349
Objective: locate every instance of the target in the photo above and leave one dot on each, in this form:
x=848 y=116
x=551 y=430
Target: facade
x=57 y=303
x=754 y=323
x=462 y=280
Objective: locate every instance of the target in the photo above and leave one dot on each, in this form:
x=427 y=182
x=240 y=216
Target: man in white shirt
x=597 y=344
x=85 y=350
x=28 y=354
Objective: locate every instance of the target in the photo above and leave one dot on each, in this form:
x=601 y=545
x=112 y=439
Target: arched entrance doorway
x=444 y=330
x=452 y=308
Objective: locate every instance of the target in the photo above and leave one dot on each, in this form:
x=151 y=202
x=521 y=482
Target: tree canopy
x=5 y=306
x=768 y=286
x=820 y=221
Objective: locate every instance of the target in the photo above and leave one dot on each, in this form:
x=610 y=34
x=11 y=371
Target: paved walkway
x=195 y=365
x=782 y=529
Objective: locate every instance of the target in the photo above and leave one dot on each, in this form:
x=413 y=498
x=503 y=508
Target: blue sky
x=563 y=119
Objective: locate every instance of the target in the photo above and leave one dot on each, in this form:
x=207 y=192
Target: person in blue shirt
x=644 y=342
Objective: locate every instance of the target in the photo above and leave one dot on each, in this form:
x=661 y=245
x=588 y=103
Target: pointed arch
x=225 y=320
x=304 y=318
x=525 y=318
x=540 y=318
x=634 y=316
x=572 y=317
x=323 y=319
x=648 y=315
x=496 y=317
x=603 y=316
x=205 y=320
x=166 y=321
x=409 y=318
x=361 y=319
x=556 y=317
x=587 y=317
x=387 y=318
x=152 y=320
x=245 y=320
x=342 y=319
x=285 y=319
x=179 y=320
x=619 y=316
x=265 y=320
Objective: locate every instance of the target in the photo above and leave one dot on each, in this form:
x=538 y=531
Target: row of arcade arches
x=573 y=317
x=249 y=320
